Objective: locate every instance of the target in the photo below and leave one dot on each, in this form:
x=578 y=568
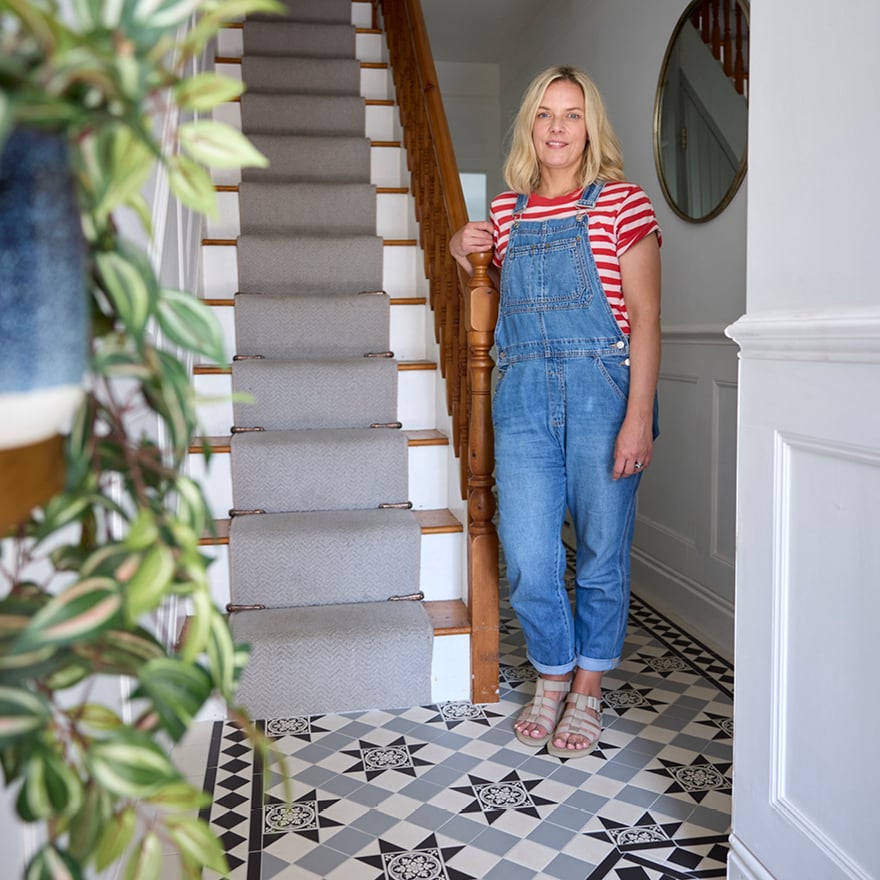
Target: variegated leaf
x=196 y=844
x=204 y=91
x=22 y=712
x=219 y=145
x=79 y=613
x=189 y=323
x=130 y=764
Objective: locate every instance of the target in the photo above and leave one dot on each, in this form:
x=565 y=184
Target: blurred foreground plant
x=87 y=579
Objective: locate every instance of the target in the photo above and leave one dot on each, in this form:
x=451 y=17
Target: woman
x=578 y=340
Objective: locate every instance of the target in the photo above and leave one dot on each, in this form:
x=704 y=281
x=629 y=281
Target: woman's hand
x=634 y=446
x=640 y=277
x=473 y=238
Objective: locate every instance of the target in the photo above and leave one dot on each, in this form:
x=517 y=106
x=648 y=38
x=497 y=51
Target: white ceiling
x=475 y=30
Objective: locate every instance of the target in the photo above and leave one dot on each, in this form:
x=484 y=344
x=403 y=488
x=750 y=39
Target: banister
x=465 y=311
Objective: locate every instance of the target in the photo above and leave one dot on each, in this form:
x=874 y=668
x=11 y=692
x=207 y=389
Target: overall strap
x=591 y=194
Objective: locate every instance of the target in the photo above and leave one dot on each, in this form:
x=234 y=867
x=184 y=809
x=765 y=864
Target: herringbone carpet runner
x=318 y=459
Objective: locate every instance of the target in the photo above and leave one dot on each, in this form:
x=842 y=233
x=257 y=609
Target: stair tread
x=448 y=617
x=229 y=301
x=226 y=370
x=220 y=444
x=431 y=522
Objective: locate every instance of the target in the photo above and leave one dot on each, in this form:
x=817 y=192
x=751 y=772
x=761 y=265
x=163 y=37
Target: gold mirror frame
x=736 y=10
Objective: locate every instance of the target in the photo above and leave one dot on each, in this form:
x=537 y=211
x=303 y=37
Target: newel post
x=481 y=314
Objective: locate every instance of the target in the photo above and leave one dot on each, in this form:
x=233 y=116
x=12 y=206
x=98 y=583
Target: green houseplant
x=86 y=579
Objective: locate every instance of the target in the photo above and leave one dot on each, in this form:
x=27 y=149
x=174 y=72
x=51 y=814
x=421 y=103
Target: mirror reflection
x=701 y=109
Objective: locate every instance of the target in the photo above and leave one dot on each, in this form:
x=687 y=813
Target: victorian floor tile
x=446 y=792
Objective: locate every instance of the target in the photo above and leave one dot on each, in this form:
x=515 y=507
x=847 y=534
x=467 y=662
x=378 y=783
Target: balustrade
x=465 y=311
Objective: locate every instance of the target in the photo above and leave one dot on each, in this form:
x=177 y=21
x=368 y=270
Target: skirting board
x=686 y=602
x=742 y=865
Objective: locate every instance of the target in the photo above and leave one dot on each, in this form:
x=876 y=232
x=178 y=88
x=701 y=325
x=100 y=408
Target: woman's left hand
x=633 y=448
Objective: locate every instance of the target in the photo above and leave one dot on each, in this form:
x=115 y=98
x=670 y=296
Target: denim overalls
x=558 y=406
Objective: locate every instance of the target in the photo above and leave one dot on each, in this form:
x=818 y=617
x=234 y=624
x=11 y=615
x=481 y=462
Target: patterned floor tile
x=446 y=792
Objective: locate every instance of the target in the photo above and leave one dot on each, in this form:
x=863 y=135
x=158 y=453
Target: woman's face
x=559 y=131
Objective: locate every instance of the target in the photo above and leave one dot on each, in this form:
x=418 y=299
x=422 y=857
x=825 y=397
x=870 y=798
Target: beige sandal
x=578 y=719
x=543 y=710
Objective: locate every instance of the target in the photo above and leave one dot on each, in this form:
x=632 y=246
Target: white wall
x=684 y=547
x=808 y=560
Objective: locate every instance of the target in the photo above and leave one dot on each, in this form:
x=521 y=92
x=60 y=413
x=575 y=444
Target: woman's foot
x=578 y=732
x=536 y=723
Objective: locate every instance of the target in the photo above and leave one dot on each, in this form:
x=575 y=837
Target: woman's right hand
x=473 y=238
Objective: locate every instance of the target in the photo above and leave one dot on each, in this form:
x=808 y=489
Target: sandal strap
x=577 y=720
x=544 y=710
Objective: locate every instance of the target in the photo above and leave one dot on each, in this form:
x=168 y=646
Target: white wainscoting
x=685 y=542
x=808 y=571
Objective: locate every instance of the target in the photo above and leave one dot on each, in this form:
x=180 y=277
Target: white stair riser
x=393 y=216
x=381 y=122
x=402 y=276
x=451 y=669
x=415 y=401
x=439 y=574
x=427 y=470
x=407 y=332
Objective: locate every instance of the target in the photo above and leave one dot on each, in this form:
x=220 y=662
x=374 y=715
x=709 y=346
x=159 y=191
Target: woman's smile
x=559 y=135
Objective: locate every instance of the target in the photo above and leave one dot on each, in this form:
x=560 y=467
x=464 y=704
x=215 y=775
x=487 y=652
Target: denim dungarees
x=558 y=406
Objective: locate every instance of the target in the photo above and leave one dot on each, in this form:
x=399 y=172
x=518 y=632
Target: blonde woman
x=578 y=341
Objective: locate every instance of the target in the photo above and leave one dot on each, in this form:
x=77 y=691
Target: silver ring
x=637 y=465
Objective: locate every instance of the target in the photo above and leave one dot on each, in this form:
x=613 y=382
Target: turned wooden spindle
x=464 y=317
x=739 y=64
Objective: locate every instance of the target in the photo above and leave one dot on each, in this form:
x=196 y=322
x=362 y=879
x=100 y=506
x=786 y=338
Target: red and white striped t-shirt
x=623 y=216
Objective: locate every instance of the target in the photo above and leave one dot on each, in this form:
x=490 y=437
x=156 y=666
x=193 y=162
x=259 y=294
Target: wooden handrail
x=726 y=39
x=465 y=311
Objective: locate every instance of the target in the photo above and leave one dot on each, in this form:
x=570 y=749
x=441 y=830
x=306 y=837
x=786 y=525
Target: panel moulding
x=786 y=447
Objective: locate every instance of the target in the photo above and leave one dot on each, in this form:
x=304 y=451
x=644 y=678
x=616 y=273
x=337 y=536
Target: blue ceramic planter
x=44 y=315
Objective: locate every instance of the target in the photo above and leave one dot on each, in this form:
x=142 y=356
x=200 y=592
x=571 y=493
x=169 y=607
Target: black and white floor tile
x=445 y=792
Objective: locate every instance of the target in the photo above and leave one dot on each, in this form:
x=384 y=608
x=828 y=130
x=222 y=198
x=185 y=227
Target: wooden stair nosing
x=432 y=522
x=449 y=617
x=233 y=242
x=229 y=301
x=220 y=445
x=226 y=370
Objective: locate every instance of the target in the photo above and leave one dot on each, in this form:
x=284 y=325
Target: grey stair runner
x=299 y=40
x=356 y=656
x=315 y=76
x=303 y=114
x=319 y=469
x=311 y=325
x=282 y=395
x=276 y=263
x=292 y=157
x=322 y=561
x=339 y=208
x=285 y=559
x=325 y=11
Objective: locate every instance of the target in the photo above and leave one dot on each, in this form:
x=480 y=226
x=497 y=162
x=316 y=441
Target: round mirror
x=701 y=109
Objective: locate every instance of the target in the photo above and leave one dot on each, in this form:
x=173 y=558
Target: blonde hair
x=602 y=159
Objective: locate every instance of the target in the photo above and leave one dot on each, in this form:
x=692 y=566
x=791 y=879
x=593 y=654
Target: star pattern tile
x=446 y=792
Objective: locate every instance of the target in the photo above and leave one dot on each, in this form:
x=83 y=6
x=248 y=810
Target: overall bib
x=558 y=406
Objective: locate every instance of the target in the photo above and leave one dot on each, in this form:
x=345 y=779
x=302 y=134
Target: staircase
x=339 y=544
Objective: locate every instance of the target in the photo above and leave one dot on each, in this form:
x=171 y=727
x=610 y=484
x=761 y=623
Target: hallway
x=445 y=792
